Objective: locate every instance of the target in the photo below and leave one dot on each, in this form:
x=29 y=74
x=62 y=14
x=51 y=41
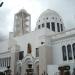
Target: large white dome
x=50 y=17
x=49 y=12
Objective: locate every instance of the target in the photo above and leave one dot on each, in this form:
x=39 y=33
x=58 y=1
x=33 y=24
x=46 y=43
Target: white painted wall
x=57 y=49
x=52 y=69
x=3 y=46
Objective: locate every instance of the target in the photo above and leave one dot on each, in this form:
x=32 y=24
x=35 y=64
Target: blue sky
x=65 y=8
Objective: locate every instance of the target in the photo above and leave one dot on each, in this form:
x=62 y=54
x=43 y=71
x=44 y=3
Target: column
x=6 y=62
x=0 y=62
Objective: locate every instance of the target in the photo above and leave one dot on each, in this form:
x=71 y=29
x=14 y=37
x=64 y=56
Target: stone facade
x=42 y=51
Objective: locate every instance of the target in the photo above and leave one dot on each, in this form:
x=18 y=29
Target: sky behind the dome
x=65 y=8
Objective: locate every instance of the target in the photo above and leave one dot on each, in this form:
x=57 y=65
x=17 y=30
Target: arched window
x=37 y=52
x=58 y=27
x=53 y=26
x=73 y=46
x=48 y=25
x=29 y=48
x=69 y=52
x=38 y=26
x=43 y=25
x=61 y=27
x=64 y=53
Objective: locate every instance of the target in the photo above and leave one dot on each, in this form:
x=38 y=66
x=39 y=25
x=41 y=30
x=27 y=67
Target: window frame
x=61 y=27
x=64 y=53
x=73 y=48
x=43 y=25
x=69 y=50
x=58 y=27
x=39 y=26
x=37 y=52
x=48 y=25
x=53 y=26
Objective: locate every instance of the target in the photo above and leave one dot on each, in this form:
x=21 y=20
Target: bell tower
x=22 y=23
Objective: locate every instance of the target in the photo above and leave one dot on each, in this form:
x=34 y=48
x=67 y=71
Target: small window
x=29 y=65
x=60 y=19
x=64 y=53
x=61 y=27
x=37 y=52
x=52 y=17
x=42 y=25
x=29 y=48
x=47 y=18
x=39 y=20
x=21 y=55
x=69 y=52
x=53 y=26
x=38 y=26
x=48 y=25
x=58 y=27
x=73 y=46
x=42 y=43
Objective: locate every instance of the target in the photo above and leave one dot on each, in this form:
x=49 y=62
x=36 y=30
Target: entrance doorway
x=29 y=70
x=64 y=70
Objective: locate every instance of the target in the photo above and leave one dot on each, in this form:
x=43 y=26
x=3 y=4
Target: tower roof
x=51 y=18
x=22 y=11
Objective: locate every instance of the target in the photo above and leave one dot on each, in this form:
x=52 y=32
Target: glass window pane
x=42 y=25
x=58 y=27
x=64 y=53
x=53 y=26
x=73 y=46
x=37 y=52
x=38 y=26
x=21 y=55
x=61 y=27
x=69 y=52
x=48 y=25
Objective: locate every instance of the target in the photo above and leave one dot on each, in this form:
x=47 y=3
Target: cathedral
x=48 y=50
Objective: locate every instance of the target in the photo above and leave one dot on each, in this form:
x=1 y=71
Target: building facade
x=48 y=50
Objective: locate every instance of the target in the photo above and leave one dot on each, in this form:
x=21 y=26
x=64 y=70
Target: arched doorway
x=29 y=67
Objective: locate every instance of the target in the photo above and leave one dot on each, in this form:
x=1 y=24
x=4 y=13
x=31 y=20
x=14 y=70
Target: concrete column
x=9 y=61
x=2 y=62
x=6 y=62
